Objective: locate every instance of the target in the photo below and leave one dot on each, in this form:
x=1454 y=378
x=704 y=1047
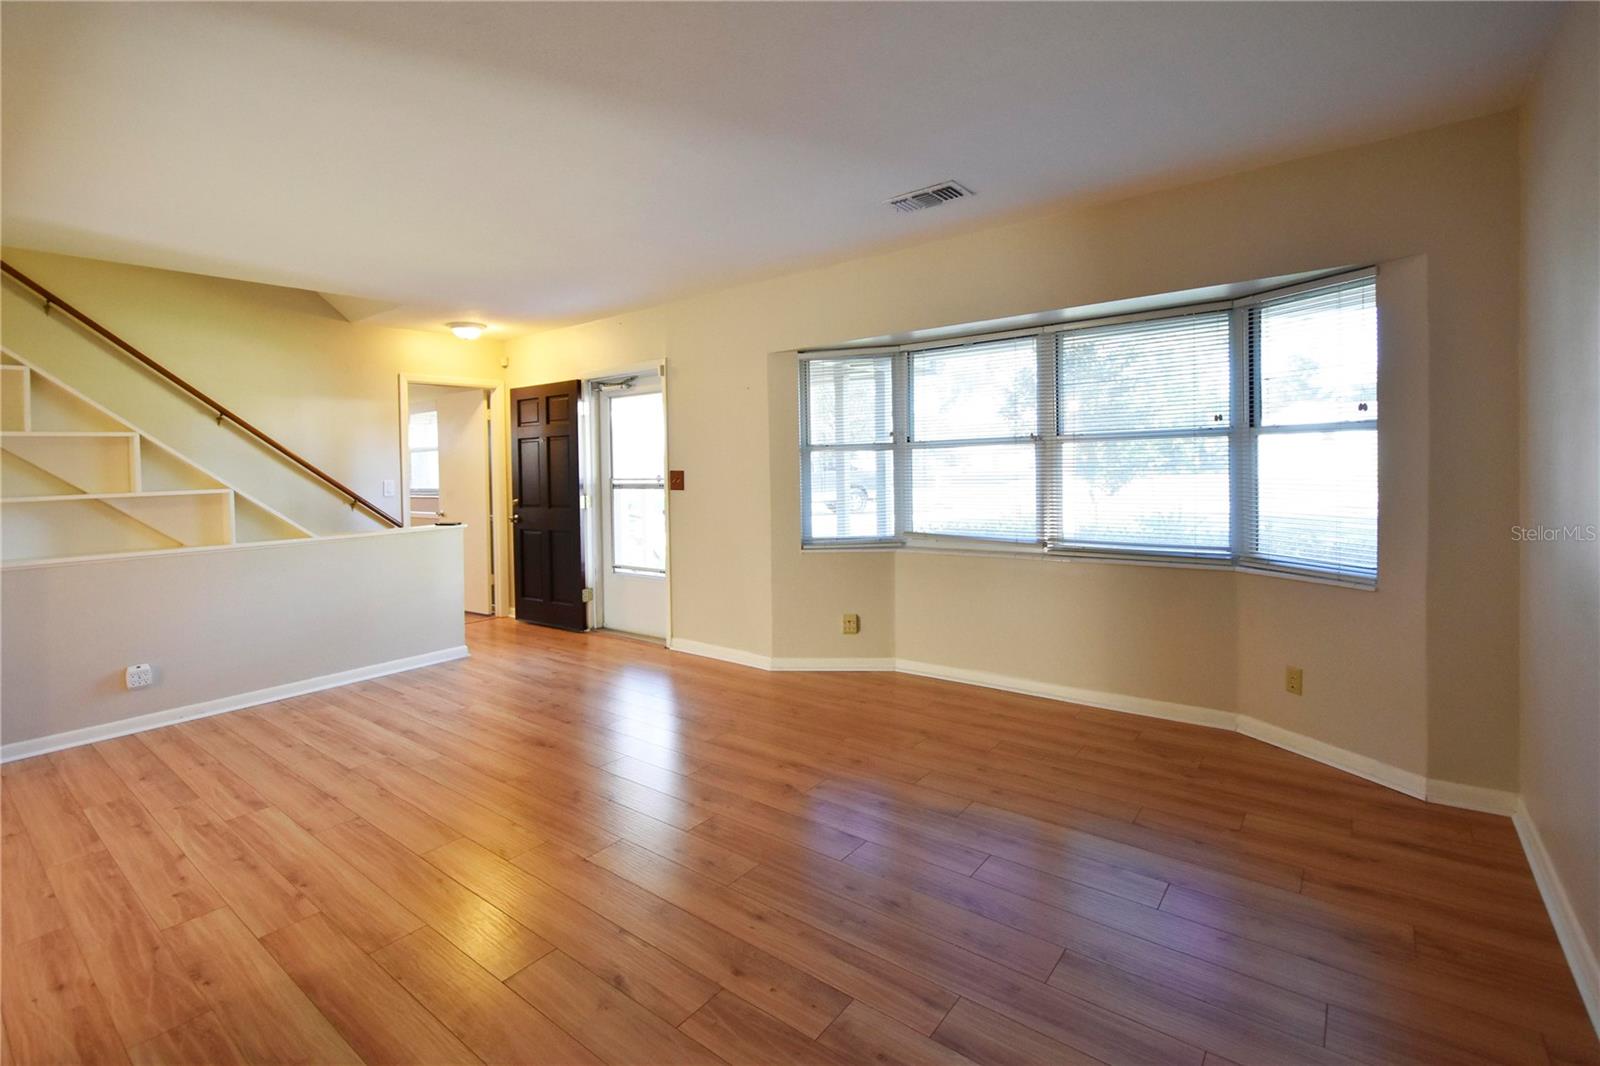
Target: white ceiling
x=535 y=163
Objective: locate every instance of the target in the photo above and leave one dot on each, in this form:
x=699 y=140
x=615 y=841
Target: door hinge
x=588 y=595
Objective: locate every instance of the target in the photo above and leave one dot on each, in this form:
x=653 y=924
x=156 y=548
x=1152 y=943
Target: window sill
x=964 y=547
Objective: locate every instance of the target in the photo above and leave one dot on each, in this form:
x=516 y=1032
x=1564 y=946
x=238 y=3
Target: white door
x=461 y=466
x=633 y=508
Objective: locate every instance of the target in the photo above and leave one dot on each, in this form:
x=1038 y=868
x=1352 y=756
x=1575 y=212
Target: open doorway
x=449 y=475
x=630 y=526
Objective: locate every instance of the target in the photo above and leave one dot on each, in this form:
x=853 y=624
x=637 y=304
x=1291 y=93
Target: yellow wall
x=282 y=359
x=1561 y=465
x=1421 y=674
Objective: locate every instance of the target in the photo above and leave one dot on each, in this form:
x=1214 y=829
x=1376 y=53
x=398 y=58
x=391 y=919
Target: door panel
x=549 y=543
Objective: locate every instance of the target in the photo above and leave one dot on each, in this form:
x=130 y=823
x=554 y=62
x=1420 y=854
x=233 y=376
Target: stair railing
x=52 y=302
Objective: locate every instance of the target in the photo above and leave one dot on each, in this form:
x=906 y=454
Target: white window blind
x=1234 y=434
x=1315 y=438
x=973 y=427
x=848 y=460
x=1145 y=425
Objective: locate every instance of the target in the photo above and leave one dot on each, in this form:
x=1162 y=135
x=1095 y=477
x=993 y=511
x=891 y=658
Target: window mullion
x=900 y=378
x=1241 y=450
x=1047 y=447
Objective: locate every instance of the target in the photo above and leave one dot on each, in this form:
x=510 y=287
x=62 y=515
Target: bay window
x=1238 y=434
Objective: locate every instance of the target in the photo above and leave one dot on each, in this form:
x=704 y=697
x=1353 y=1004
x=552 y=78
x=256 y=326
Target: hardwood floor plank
x=49 y=811
x=460 y=815
x=200 y=1041
x=992 y=1039
x=788 y=994
x=361 y=909
x=164 y=879
x=398 y=817
x=498 y=1025
x=739 y=1033
x=28 y=905
x=262 y=1011
x=88 y=777
x=258 y=894
x=277 y=784
x=483 y=931
x=852 y=969
x=641 y=971
x=150 y=780
x=218 y=787
x=613 y=1026
x=53 y=1011
x=1103 y=1033
x=141 y=984
x=861 y=1034
x=374 y=1014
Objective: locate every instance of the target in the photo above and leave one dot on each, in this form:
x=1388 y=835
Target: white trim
x=249 y=545
x=23 y=749
x=1473 y=797
x=1408 y=781
x=716 y=651
x=836 y=666
x=1111 y=701
x=500 y=550
x=1569 y=930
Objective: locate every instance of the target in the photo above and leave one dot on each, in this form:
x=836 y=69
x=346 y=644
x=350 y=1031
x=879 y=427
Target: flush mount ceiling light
x=467 y=331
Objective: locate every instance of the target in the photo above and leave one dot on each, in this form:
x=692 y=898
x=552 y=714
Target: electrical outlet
x=852 y=624
x=1294 y=681
x=139 y=675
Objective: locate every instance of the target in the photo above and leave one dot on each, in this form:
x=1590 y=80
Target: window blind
x=1145 y=420
x=847 y=471
x=1235 y=434
x=973 y=429
x=1314 y=504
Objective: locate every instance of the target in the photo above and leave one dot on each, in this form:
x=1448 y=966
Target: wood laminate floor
x=582 y=849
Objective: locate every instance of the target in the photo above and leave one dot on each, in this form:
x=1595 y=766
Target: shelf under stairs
x=77 y=480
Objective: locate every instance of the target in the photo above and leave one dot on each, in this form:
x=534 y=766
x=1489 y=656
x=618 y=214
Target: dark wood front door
x=545 y=516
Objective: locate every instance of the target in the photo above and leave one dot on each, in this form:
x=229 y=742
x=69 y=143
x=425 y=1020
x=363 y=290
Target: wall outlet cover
x=139 y=675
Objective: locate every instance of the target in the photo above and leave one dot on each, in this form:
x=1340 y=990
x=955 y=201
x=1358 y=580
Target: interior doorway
x=449 y=475
x=630 y=497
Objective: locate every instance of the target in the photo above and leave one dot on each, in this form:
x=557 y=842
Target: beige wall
x=281 y=358
x=1560 y=680
x=1421 y=674
x=218 y=622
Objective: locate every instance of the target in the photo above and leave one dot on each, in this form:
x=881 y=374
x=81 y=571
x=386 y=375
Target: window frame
x=1243 y=431
x=428 y=492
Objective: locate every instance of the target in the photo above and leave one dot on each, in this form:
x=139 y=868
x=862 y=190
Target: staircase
x=78 y=481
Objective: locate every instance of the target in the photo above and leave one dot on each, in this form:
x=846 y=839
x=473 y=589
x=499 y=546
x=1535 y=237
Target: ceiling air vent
x=932 y=196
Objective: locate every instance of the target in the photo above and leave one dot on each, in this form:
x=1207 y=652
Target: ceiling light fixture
x=467 y=331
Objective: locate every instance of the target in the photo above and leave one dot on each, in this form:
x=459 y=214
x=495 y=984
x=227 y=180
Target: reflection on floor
x=575 y=848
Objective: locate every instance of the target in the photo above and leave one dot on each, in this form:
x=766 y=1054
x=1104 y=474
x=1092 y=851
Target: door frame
x=589 y=485
x=499 y=476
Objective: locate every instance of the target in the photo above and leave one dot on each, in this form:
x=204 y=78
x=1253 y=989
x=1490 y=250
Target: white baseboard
x=1111 y=701
x=23 y=749
x=1569 y=930
x=1408 y=781
x=716 y=651
x=1473 y=797
x=835 y=665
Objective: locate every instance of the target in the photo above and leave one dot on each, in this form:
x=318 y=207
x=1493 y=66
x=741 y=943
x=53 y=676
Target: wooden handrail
x=51 y=300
